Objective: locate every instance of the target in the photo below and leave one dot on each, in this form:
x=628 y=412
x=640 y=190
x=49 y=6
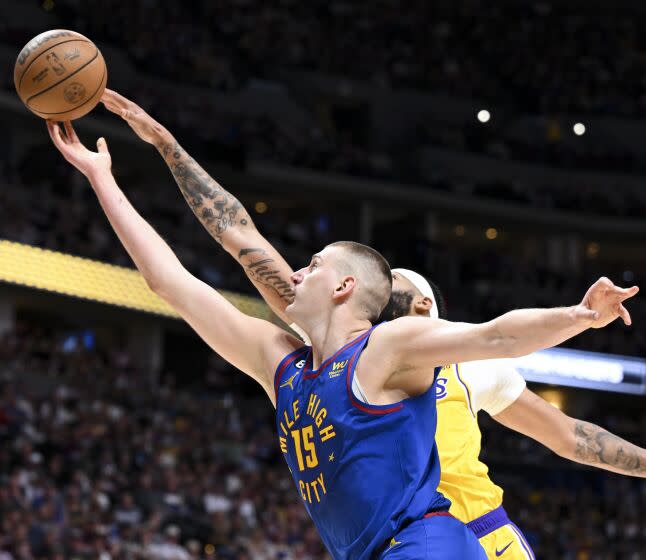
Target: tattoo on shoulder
x=260 y=268
x=217 y=209
x=596 y=446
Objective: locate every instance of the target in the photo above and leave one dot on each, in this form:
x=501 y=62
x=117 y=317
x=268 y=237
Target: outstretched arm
x=252 y=345
x=221 y=213
x=409 y=346
x=571 y=438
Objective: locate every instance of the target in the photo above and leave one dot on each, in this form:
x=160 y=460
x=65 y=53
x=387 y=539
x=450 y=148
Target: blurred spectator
x=149 y=473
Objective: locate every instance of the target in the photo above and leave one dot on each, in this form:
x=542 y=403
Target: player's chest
x=311 y=434
x=311 y=399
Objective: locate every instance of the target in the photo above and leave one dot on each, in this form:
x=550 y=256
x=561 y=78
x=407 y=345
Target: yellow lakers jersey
x=464 y=480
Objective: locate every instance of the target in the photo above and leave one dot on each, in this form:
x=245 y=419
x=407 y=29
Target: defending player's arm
x=570 y=438
x=221 y=213
x=252 y=345
x=410 y=345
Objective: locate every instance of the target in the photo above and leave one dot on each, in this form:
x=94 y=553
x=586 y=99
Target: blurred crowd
x=529 y=57
x=454 y=47
x=100 y=461
x=548 y=142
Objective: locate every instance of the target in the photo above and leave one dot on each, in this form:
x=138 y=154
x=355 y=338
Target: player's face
x=314 y=284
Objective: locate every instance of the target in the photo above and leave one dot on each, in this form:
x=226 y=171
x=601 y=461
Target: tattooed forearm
x=217 y=209
x=260 y=269
x=598 y=447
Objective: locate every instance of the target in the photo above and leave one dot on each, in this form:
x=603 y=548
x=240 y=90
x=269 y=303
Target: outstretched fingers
x=621 y=293
x=113 y=97
x=102 y=145
x=70 y=132
x=55 y=134
x=121 y=109
x=623 y=313
x=61 y=141
x=114 y=101
x=112 y=106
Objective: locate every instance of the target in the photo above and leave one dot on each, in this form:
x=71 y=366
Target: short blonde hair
x=373 y=272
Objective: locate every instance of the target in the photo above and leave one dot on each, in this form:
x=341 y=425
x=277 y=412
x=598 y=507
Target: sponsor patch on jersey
x=338 y=368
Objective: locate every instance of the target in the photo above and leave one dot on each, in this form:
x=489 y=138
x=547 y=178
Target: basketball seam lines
x=44 y=52
x=96 y=54
x=84 y=102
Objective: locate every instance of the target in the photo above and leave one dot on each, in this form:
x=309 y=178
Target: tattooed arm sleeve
x=229 y=223
x=218 y=210
x=597 y=447
x=570 y=438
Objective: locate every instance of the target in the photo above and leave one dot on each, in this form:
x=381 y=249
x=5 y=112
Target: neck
x=327 y=336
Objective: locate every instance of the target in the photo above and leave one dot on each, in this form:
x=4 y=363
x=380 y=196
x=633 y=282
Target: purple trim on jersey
x=364 y=407
x=523 y=541
x=494 y=520
x=282 y=366
x=316 y=372
x=457 y=371
x=489 y=522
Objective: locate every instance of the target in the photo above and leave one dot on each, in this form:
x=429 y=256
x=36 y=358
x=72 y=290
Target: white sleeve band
x=494 y=384
x=300 y=332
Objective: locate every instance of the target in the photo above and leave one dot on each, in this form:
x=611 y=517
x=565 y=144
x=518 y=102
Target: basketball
x=60 y=75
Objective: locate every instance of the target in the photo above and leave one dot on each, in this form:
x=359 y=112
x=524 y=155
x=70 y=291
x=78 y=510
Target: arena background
x=442 y=133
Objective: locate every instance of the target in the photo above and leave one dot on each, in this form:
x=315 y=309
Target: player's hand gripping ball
x=60 y=75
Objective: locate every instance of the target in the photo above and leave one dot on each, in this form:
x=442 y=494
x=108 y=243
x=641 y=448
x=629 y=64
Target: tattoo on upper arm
x=260 y=268
x=596 y=446
x=217 y=209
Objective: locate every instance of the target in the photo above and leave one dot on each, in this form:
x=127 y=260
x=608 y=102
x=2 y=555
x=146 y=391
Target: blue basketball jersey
x=362 y=471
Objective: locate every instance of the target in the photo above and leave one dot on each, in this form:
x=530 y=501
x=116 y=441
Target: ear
x=423 y=306
x=344 y=288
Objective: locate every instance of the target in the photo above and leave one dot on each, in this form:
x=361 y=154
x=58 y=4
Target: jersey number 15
x=303 y=442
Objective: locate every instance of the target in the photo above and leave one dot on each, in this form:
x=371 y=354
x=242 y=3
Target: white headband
x=422 y=285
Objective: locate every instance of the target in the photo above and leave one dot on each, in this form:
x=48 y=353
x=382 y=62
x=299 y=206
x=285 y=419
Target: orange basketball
x=60 y=75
